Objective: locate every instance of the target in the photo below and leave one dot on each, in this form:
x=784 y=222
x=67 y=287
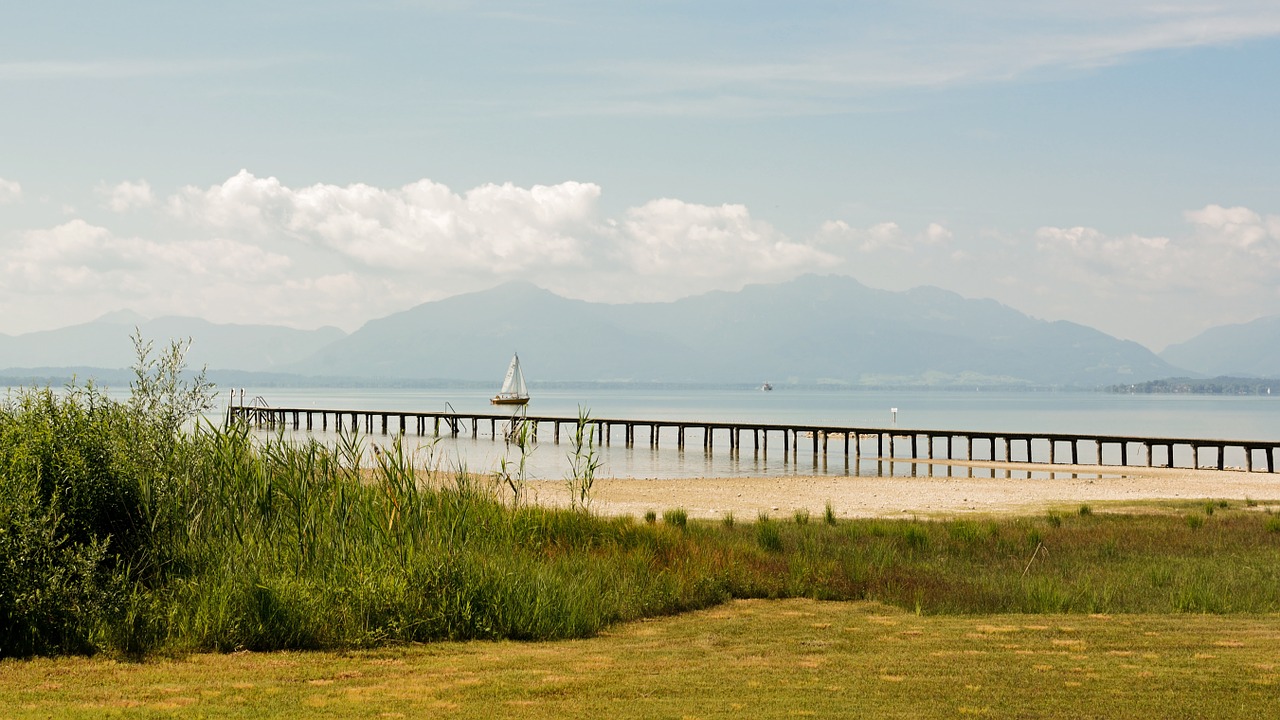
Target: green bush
x=767 y=534
x=676 y=517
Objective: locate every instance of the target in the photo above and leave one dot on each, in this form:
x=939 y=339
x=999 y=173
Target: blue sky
x=1109 y=163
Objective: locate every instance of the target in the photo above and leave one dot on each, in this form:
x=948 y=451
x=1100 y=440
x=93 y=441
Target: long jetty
x=901 y=444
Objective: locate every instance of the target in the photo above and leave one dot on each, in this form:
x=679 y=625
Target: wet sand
x=1063 y=487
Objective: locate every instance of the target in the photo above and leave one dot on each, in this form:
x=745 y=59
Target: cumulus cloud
x=1224 y=267
x=127 y=195
x=78 y=268
x=254 y=249
x=492 y=228
x=678 y=240
x=554 y=235
x=10 y=191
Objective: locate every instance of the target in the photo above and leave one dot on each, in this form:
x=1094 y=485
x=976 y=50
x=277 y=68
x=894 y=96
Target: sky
x=1115 y=164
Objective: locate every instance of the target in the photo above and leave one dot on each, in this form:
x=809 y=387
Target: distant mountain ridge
x=105 y=343
x=811 y=330
x=815 y=329
x=1249 y=349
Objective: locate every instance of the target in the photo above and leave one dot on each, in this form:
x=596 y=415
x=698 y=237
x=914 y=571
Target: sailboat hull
x=509 y=401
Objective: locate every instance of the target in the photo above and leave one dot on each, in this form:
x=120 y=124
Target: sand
x=1063 y=487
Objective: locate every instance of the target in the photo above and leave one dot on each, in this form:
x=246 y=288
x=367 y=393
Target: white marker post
x=894 y=413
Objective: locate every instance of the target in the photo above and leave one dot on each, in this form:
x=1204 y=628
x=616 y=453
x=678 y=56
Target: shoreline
x=1062 y=487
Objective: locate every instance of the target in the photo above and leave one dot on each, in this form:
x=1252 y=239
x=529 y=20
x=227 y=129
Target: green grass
x=742 y=659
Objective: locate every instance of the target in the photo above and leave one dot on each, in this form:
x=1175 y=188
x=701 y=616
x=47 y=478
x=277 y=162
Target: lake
x=1183 y=416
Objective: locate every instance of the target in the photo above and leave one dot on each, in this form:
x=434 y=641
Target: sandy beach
x=939 y=495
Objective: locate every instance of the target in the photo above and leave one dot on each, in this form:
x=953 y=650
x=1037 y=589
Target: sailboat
x=513 y=390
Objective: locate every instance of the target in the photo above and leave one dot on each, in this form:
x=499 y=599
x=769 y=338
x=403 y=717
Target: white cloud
x=127 y=195
x=254 y=249
x=882 y=237
x=673 y=240
x=554 y=235
x=1224 y=268
x=10 y=191
x=78 y=269
x=493 y=228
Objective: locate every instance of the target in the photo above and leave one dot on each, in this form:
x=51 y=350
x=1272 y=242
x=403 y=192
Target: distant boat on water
x=766 y=387
x=513 y=390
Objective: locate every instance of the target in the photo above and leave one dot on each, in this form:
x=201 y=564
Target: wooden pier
x=853 y=442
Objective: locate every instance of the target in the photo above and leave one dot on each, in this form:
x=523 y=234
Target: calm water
x=1235 y=418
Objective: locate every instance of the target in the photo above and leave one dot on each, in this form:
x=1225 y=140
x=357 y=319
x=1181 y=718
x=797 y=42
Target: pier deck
x=855 y=442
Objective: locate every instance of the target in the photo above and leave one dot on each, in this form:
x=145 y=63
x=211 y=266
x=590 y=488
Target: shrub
x=767 y=534
x=676 y=517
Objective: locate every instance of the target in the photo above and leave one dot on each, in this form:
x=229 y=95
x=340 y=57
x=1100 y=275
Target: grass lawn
x=748 y=658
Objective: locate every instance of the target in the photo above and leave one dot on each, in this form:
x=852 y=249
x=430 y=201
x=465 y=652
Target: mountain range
x=811 y=330
x=107 y=343
x=1249 y=349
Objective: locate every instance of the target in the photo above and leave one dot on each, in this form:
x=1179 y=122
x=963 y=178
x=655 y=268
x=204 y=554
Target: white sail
x=513 y=387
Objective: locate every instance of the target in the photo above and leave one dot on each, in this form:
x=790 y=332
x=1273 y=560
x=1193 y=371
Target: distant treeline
x=1212 y=386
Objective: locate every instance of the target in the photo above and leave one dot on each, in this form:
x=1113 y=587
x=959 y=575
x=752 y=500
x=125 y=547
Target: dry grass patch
x=755 y=658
